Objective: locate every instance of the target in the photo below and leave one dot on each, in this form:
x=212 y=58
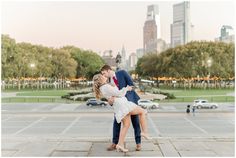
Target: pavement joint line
x=30 y=125
x=70 y=125
x=199 y=128
x=153 y=125
x=90 y=149
x=174 y=147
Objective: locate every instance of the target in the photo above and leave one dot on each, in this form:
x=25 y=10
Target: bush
x=86 y=98
x=65 y=96
x=83 y=98
x=168 y=95
x=78 y=93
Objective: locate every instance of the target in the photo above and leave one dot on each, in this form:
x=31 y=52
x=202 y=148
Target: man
x=121 y=79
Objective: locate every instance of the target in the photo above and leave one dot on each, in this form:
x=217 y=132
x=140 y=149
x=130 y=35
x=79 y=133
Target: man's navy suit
x=124 y=79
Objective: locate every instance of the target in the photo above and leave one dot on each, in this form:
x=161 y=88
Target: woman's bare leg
x=139 y=111
x=124 y=129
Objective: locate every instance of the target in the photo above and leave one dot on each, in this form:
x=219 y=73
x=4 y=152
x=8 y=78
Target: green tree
x=88 y=62
x=8 y=53
x=189 y=61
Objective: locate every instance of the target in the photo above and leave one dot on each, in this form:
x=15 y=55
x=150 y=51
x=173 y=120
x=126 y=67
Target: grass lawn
x=210 y=99
x=213 y=95
x=43 y=93
x=36 y=100
x=198 y=92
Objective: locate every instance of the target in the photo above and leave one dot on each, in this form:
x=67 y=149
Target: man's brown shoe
x=111 y=147
x=138 y=147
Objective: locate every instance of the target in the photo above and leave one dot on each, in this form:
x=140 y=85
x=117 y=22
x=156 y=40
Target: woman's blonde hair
x=97 y=83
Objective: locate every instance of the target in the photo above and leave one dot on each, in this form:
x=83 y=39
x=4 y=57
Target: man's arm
x=128 y=79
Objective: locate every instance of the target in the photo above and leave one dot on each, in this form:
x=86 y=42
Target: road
x=81 y=107
x=77 y=130
x=79 y=120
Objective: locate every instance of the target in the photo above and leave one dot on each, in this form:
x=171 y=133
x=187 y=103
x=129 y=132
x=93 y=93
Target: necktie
x=116 y=81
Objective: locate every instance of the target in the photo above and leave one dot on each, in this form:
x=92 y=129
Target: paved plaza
x=77 y=130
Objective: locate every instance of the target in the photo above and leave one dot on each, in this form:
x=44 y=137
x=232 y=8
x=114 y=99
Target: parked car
x=147 y=104
x=202 y=103
x=93 y=101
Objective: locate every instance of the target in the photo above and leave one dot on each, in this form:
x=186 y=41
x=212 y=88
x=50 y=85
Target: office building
x=181 y=28
x=151 y=29
x=132 y=61
x=226 y=34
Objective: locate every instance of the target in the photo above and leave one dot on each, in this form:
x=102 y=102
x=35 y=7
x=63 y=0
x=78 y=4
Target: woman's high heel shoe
x=120 y=148
x=146 y=136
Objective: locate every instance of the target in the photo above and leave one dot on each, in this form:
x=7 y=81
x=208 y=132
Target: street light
x=209 y=63
x=32 y=65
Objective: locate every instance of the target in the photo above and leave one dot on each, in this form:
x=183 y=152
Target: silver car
x=201 y=103
x=147 y=104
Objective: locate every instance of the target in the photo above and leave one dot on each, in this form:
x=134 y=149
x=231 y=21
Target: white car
x=147 y=104
x=201 y=103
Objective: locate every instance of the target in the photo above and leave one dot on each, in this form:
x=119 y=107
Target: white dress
x=121 y=105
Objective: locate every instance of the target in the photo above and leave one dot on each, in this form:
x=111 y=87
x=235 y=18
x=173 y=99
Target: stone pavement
x=158 y=147
x=58 y=130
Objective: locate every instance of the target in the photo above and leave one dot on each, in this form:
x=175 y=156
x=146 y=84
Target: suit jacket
x=124 y=79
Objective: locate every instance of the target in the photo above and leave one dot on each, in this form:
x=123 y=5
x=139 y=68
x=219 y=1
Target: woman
x=122 y=107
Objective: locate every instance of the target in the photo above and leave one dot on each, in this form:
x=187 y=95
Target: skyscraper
x=226 y=34
x=123 y=64
x=151 y=29
x=139 y=52
x=108 y=58
x=132 y=61
x=181 y=27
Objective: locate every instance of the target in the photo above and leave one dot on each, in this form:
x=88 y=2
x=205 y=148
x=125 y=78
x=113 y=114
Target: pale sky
x=100 y=26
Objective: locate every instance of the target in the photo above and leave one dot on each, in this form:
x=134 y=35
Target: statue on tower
x=118 y=61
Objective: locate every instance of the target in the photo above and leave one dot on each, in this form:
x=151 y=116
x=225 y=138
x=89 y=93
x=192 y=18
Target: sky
x=105 y=25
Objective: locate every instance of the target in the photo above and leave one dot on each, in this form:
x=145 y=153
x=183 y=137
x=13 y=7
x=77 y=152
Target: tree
x=8 y=52
x=189 y=61
x=88 y=62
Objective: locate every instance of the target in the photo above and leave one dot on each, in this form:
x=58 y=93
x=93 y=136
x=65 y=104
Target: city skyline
x=101 y=26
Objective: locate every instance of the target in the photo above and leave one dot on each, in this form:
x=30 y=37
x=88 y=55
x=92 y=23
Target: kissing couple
x=121 y=96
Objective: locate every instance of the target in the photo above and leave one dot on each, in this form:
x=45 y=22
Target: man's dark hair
x=106 y=67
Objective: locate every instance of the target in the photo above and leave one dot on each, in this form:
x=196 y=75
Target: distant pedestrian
x=193 y=109
x=188 y=109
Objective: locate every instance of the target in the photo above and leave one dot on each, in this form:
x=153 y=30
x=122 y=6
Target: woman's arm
x=114 y=91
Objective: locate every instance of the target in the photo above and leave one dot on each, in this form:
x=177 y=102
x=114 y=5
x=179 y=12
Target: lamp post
x=209 y=63
x=32 y=65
